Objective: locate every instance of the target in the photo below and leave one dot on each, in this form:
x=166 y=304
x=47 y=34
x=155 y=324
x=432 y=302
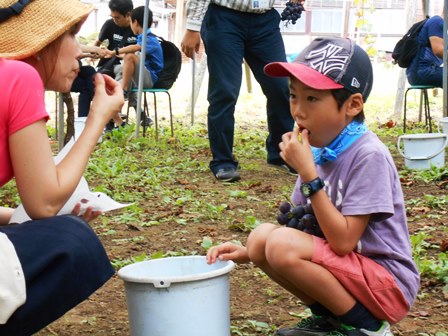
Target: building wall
x=386 y=23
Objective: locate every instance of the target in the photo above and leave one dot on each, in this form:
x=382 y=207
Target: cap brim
x=303 y=73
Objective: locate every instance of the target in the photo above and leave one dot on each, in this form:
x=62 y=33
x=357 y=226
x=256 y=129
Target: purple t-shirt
x=364 y=180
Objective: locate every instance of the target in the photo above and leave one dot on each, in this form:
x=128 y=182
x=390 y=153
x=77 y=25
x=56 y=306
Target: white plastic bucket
x=80 y=123
x=178 y=296
x=444 y=124
x=423 y=150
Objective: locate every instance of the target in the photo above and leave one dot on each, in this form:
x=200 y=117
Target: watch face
x=306 y=189
x=309 y=188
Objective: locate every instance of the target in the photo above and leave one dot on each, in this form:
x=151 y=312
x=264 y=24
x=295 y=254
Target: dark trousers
x=63 y=262
x=83 y=84
x=428 y=75
x=229 y=36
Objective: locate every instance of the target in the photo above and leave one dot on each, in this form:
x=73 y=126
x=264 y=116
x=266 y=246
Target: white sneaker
x=351 y=331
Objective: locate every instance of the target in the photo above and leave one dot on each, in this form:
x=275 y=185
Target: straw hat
x=40 y=23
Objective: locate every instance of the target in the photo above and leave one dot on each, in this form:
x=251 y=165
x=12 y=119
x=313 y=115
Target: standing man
x=233 y=31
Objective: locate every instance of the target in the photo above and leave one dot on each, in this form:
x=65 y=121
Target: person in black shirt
x=117 y=31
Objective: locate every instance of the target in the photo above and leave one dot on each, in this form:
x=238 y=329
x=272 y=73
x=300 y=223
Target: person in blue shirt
x=425 y=68
x=132 y=54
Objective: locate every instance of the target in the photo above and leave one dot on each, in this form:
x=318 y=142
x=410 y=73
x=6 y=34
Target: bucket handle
x=422 y=158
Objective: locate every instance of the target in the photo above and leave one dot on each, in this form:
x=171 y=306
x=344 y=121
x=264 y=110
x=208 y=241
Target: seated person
x=83 y=84
x=425 y=68
x=117 y=32
x=48 y=264
x=131 y=54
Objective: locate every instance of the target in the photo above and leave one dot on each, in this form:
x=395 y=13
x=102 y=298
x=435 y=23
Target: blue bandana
x=349 y=135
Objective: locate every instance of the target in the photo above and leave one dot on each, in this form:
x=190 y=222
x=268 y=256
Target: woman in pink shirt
x=52 y=263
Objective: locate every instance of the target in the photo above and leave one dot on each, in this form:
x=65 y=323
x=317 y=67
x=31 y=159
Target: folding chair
x=146 y=108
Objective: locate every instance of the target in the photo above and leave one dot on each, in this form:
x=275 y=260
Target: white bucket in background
x=80 y=123
x=444 y=124
x=423 y=150
x=178 y=296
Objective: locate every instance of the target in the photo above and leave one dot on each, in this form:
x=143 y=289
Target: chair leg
x=404 y=113
x=427 y=111
x=171 y=114
x=145 y=112
x=156 y=117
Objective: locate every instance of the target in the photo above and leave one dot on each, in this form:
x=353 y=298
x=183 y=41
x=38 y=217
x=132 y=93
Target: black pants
x=63 y=262
x=229 y=37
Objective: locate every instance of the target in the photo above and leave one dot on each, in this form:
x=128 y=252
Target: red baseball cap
x=328 y=64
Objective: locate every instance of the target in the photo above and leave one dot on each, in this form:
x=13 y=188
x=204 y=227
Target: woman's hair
x=139 y=14
x=49 y=55
x=341 y=96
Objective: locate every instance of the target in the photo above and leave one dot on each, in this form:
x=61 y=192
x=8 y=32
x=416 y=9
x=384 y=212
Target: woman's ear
x=354 y=105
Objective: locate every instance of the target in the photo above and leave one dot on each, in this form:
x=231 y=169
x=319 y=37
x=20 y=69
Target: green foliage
x=252 y=327
x=432 y=174
x=433 y=267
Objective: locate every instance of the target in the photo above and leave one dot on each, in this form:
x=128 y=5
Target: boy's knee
x=256 y=242
x=130 y=58
x=277 y=246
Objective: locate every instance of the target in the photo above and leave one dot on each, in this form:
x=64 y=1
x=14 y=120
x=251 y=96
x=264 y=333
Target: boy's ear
x=354 y=105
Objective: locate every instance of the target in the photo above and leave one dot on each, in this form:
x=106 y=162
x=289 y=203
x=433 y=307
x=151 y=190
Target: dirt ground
x=253 y=296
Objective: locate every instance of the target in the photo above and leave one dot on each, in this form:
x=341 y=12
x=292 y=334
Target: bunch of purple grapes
x=292 y=12
x=300 y=217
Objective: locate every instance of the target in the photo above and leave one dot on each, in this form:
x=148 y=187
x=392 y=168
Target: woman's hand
x=108 y=99
x=227 y=251
x=88 y=215
x=296 y=151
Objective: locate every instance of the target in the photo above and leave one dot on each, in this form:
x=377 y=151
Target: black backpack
x=406 y=49
x=172 y=63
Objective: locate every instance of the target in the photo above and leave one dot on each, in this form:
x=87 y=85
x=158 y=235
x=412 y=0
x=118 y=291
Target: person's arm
x=130 y=49
x=43 y=186
x=342 y=232
x=436 y=45
x=93 y=51
x=195 y=14
x=435 y=34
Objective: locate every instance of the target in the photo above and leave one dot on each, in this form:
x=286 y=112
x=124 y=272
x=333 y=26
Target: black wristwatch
x=310 y=188
x=117 y=50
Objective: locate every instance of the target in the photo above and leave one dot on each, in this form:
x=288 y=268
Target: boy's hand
x=227 y=251
x=296 y=151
